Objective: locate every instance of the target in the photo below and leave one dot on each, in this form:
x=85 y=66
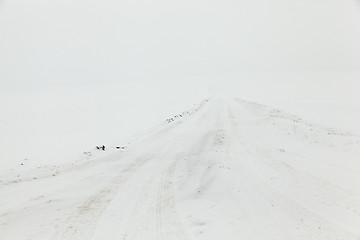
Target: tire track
x=82 y=224
x=169 y=225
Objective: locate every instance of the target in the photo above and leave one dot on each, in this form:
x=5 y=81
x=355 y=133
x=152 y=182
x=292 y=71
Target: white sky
x=76 y=41
x=64 y=54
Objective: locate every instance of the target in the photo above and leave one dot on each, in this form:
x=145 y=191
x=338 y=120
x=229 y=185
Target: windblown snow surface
x=229 y=169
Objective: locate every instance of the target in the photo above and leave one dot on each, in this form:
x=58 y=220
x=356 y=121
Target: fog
x=75 y=73
x=82 y=42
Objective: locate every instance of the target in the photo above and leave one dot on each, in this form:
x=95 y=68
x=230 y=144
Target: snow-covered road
x=230 y=170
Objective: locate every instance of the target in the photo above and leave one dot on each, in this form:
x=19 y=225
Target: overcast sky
x=59 y=42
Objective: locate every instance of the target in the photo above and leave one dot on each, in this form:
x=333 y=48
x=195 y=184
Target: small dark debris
x=101 y=147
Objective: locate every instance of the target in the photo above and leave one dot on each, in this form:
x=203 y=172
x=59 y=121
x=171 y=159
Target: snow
x=227 y=169
x=50 y=126
x=79 y=74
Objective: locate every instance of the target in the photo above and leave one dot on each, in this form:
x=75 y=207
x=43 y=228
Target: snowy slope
x=231 y=169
